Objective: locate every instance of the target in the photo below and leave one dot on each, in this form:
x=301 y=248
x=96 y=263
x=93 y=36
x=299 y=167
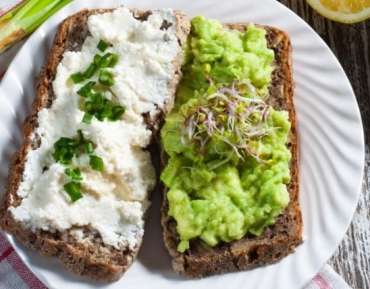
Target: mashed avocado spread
x=228 y=160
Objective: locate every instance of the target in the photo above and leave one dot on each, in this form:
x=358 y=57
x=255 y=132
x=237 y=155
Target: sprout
x=228 y=116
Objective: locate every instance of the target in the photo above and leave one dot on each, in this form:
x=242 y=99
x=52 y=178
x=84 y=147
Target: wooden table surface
x=350 y=43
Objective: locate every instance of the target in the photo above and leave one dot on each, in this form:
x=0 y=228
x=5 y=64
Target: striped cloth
x=15 y=275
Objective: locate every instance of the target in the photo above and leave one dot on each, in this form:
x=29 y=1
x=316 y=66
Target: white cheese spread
x=114 y=200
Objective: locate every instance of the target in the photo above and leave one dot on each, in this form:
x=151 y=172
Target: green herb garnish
x=89 y=147
x=102 y=45
x=106 y=78
x=100 y=61
x=116 y=112
x=97 y=59
x=77 y=77
x=73 y=174
x=90 y=70
x=95 y=104
x=96 y=163
x=73 y=189
x=87 y=90
x=108 y=60
x=64 y=150
x=87 y=118
x=67 y=148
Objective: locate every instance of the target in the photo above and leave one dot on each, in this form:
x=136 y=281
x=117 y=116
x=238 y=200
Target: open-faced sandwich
x=78 y=187
x=230 y=152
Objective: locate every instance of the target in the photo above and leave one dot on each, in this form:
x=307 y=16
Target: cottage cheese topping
x=114 y=200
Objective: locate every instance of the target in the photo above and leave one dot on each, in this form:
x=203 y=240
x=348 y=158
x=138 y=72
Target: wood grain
x=350 y=43
x=352 y=259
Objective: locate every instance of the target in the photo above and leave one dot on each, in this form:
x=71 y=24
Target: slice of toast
x=277 y=240
x=91 y=258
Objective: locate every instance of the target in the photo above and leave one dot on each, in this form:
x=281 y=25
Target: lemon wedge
x=345 y=11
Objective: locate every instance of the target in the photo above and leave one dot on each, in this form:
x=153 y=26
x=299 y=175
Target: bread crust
x=278 y=240
x=92 y=258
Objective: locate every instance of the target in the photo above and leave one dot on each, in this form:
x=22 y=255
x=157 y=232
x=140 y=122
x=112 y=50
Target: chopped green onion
x=87 y=89
x=102 y=113
x=95 y=104
x=108 y=60
x=87 y=118
x=77 y=77
x=73 y=189
x=64 y=150
x=97 y=59
x=117 y=112
x=74 y=174
x=102 y=45
x=88 y=106
x=97 y=99
x=106 y=78
x=96 y=163
x=90 y=70
x=89 y=147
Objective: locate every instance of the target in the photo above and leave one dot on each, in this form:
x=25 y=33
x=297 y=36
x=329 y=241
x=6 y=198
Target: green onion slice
x=74 y=174
x=77 y=77
x=87 y=118
x=108 y=60
x=73 y=189
x=117 y=112
x=87 y=89
x=96 y=163
x=102 y=45
x=90 y=70
x=106 y=77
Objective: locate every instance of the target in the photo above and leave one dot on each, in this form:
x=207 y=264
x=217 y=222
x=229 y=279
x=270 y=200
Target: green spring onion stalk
x=25 y=18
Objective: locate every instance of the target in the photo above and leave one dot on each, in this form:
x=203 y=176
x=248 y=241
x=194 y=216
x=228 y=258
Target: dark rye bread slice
x=279 y=239
x=92 y=258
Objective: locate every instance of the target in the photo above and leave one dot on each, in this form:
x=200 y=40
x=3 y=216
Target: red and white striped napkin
x=15 y=275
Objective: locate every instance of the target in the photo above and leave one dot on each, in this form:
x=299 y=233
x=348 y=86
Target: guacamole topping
x=228 y=160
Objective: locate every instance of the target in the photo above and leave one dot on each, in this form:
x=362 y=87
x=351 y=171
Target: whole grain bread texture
x=90 y=258
x=278 y=240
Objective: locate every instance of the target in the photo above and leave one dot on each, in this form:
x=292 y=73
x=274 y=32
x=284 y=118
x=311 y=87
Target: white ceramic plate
x=331 y=139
